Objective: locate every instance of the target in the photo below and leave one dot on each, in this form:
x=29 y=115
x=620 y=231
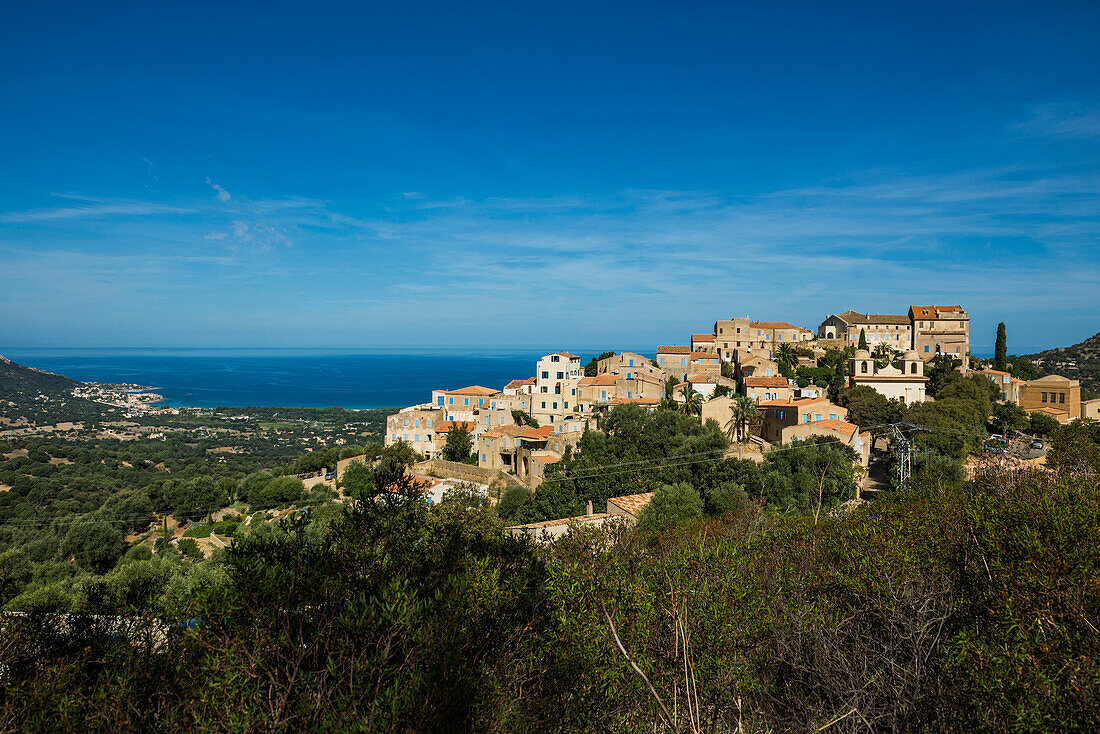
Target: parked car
x=1037 y=444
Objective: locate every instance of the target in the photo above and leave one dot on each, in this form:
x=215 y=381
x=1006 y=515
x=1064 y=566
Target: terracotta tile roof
x=448 y=426
x=766 y=382
x=634 y=401
x=834 y=424
x=515 y=384
x=702 y=337
x=581 y=519
x=798 y=403
x=936 y=312
x=632 y=503
x=540 y=433
x=701 y=379
x=857 y=318
x=567 y=354
x=674 y=349
x=545 y=457
x=421 y=482
x=473 y=390
x=704 y=355
x=993 y=372
x=605 y=379
x=771 y=325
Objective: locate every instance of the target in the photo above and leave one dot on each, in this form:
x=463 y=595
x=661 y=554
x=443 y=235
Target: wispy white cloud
x=92 y=208
x=1060 y=120
x=223 y=195
x=631 y=265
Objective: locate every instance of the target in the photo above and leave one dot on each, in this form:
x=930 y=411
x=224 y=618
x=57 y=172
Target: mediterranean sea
x=303 y=378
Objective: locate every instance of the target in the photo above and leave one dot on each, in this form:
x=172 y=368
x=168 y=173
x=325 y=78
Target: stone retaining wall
x=494 y=478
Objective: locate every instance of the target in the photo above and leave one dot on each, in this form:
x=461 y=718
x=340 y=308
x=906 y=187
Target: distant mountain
x=1079 y=362
x=17 y=379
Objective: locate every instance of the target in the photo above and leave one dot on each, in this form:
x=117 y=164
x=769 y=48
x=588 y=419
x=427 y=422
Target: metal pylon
x=904 y=447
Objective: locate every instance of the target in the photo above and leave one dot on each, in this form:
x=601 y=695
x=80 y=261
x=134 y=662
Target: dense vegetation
x=953 y=606
x=1078 y=362
x=637 y=452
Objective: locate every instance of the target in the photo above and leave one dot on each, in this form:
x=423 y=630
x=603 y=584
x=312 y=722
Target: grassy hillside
x=1078 y=362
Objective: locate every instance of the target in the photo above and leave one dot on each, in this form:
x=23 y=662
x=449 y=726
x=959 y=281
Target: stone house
x=768 y=388
x=941 y=330
x=1059 y=396
x=673 y=360
x=778 y=415
x=894 y=330
x=416 y=426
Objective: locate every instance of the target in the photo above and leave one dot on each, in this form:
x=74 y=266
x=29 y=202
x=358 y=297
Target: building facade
x=894 y=330
x=906 y=383
x=941 y=330
x=1057 y=395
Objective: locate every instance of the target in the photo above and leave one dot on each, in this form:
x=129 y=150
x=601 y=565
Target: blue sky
x=555 y=174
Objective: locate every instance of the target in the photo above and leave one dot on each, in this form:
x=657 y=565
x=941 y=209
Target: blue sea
x=303 y=378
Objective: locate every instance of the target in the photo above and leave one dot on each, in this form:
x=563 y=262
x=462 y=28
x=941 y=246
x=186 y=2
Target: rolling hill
x=1078 y=362
x=17 y=379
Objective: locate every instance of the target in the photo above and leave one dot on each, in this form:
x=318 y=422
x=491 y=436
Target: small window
x=1044 y=397
x=466 y=401
x=1061 y=397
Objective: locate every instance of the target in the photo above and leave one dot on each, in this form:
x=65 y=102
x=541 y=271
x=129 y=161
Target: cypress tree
x=1000 y=351
x=862 y=339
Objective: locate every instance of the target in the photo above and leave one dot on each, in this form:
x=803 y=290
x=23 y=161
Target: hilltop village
x=763 y=382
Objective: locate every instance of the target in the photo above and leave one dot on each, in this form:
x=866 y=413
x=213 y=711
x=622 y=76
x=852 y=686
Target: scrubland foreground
x=955 y=606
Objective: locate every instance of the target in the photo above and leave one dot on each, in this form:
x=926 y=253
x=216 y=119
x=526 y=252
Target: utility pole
x=902 y=445
x=904 y=449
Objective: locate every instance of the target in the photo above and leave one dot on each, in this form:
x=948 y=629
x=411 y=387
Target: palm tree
x=883 y=354
x=787 y=354
x=745 y=413
x=693 y=401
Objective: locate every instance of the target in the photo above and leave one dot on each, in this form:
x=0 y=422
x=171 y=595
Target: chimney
x=588 y=510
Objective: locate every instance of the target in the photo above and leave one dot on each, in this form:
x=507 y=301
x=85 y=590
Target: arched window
x=913 y=368
x=863 y=367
